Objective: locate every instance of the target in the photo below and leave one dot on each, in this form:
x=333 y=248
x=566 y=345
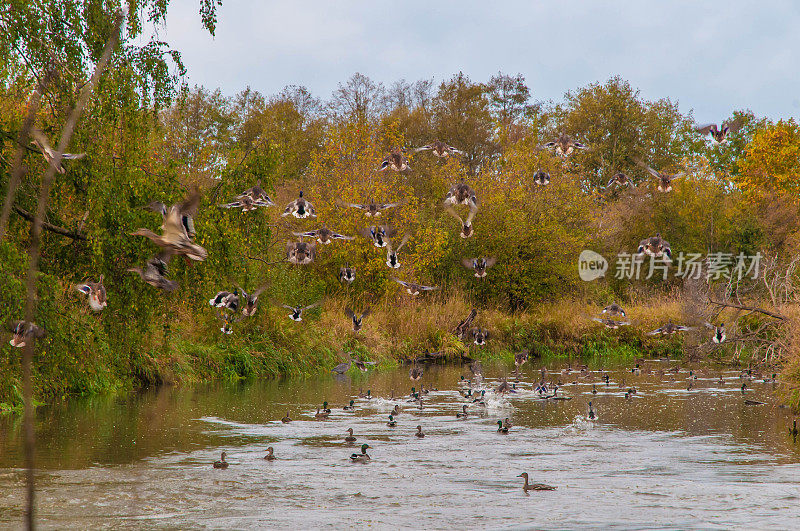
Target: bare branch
x=50 y=227
x=750 y=308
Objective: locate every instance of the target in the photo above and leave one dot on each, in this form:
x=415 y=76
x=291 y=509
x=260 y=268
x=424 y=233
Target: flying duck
x=226 y=299
x=720 y=135
x=415 y=372
x=250 y=301
x=414 y=289
x=300 y=208
x=324 y=235
x=49 y=154
x=372 y=209
x=463 y=327
x=439 y=149
x=395 y=160
x=480 y=336
x=250 y=199
x=461 y=194
x=357 y=320
x=154 y=273
x=297 y=311
x=614 y=309
x=564 y=145
x=96 y=292
x=655 y=246
x=668 y=329
x=300 y=252
x=664 y=179
x=620 y=179
x=391 y=254
x=719 y=332
x=175 y=238
x=520 y=358
x=479 y=265
x=541 y=177
x=343 y=367
x=347 y=274
x=22 y=331
x=379 y=235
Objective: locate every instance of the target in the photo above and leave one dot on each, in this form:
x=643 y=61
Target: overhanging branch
x=50 y=227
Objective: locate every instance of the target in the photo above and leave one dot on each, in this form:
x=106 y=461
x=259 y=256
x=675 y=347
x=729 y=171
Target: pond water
x=666 y=457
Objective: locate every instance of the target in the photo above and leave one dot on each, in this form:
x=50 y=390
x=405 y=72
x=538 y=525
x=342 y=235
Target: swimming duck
x=520 y=358
x=96 y=292
x=372 y=209
x=464 y=326
x=378 y=234
x=343 y=367
x=351 y=406
x=611 y=323
x=534 y=486
x=362 y=457
x=501 y=428
x=325 y=407
x=324 y=235
x=395 y=161
x=270 y=455
x=347 y=274
x=250 y=301
x=356 y=319
x=391 y=254
x=154 y=273
x=297 y=311
x=175 y=238
x=350 y=438
x=419 y=433
x=300 y=208
x=413 y=288
x=719 y=332
x=23 y=331
x=564 y=145
x=541 y=177
x=321 y=415
x=655 y=246
x=614 y=309
x=463 y=413
x=664 y=179
x=300 y=252
x=668 y=329
x=720 y=135
x=503 y=388
x=415 y=373
x=49 y=154
x=591 y=412
x=620 y=179
x=439 y=149
x=392 y=423
x=226 y=299
x=396 y=410
x=286 y=419
x=221 y=463
x=250 y=199
x=479 y=265
x=480 y=336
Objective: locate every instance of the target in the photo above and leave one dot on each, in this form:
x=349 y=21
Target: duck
x=363 y=457
x=611 y=323
x=520 y=358
x=297 y=311
x=96 y=292
x=461 y=194
x=439 y=149
x=347 y=274
x=719 y=332
x=415 y=289
x=226 y=299
x=154 y=273
x=564 y=145
x=464 y=326
x=391 y=254
x=372 y=209
x=466 y=225
x=463 y=413
x=395 y=160
x=664 y=179
x=720 y=134
x=300 y=208
x=503 y=388
x=480 y=399
x=479 y=265
x=321 y=415
x=541 y=177
x=250 y=301
x=287 y=419
x=501 y=428
x=591 y=414
x=534 y=486
x=228 y=320
x=614 y=309
x=270 y=455
x=23 y=331
x=357 y=320
x=250 y=199
x=379 y=234
x=395 y=411
x=419 y=433
x=324 y=235
x=364 y=366
x=221 y=463
x=655 y=246
x=49 y=154
x=325 y=407
x=594 y=389
x=415 y=373
x=350 y=438
x=392 y=423
x=351 y=406
x=793 y=430
x=175 y=238
x=480 y=336
x=620 y=179
x=343 y=367
x=669 y=329
x=300 y=252
x=476 y=367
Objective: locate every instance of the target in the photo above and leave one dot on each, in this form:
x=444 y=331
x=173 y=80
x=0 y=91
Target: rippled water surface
x=668 y=457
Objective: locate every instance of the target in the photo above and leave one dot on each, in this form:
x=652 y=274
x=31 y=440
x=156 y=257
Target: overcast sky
x=712 y=57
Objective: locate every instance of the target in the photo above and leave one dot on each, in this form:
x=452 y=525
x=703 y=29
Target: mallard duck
x=501 y=428
x=520 y=358
x=321 y=415
x=250 y=301
x=392 y=423
x=347 y=274
x=362 y=457
x=614 y=309
x=419 y=433
x=395 y=411
x=364 y=366
x=591 y=414
x=300 y=208
x=507 y=423
x=350 y=438
x=664 y=179
x=503 y=388
x=463 y=327
x=610 y=323
x=221 y=463
x=325 y=407
x=226 y=299
x=655 y=246
x=186 y=215
x=154 y=273
x=480 y=336
x=379 y=235
x=287 y=419
x=439 y=149
x=250 y=199
x=391 y=254
x=463 y=413
x=351 y=406
x=479 y=265
x=297 y=311
x=357 y=320
x=720 y=135
x=719 y=332
x=415 y=373
x=343 y=367
x=668 y=329
x=620 y=179
x=395 y=160
x=300 y=252
x=476 y=367
x=324 y=235
x=270 y=455
x=413 y=288
x=175 y=231
x=372 y=209
x=49 y=154
x=466 y=225
x=541 y=177
x=23 y=331
x=480 y=399
x=461 y=194
x=564 y=145
x=96 y=292
x=534 y=486
x=228 y=319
